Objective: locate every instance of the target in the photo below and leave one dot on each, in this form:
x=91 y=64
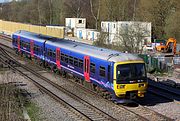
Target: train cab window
x=80 y=63
x=102 y=71
x=62 y=57
x=76 y=62
x=92 y=68
x=66 y=58
x=71 y=60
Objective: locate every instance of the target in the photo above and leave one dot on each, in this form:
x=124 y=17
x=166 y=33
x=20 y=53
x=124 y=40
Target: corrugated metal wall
x=11 y=27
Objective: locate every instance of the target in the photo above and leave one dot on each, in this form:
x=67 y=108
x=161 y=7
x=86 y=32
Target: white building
x=72 y=24
x=81 y=33
x=92 y=34
x=116 y=30
x=87 y=34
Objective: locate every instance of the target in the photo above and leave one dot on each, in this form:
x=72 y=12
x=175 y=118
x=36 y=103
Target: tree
x=97 y=11
x=74 y=8
x=131 y=37
x=156 y=11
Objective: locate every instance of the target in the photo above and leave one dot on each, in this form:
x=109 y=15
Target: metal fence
x=163 y=64
x=9 y=27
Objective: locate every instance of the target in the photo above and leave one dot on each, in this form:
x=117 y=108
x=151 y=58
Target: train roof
x=32 y=36
x=101 y=53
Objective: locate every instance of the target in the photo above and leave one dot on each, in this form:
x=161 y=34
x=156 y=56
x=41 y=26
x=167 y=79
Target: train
x=119 y=75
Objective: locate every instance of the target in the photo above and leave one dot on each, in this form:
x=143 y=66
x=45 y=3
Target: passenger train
x=122 y=75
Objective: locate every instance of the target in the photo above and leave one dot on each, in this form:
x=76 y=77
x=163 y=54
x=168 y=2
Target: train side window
x=22 y=43
x=49 y=52
x=92 y=68
x=28 y=45
x=80 y=63
x=62 y=57
x=102 y=71
x=66 y=58
x=76 y=62
x=109 y=75
x=54 y=54
x=71 y=60
x=15 y=41
x=34 y=48
x=37 y=48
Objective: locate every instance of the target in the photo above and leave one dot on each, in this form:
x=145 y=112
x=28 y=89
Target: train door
x=58 y=58
x=32 y=48
x=18 y=44
x=87 y=68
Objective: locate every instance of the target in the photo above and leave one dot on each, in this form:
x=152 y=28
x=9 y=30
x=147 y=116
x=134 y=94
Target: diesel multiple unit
x=122 y=75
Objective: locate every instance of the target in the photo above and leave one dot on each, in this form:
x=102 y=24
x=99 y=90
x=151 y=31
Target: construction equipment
x=169 y=47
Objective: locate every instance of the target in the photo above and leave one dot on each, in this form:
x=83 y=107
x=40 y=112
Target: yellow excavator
x=169 y=47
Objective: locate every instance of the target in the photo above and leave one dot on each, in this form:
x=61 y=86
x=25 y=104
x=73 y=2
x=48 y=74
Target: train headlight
x=121 y=86
x=141 y=85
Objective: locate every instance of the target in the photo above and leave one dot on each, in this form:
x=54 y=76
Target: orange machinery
x=170 y=46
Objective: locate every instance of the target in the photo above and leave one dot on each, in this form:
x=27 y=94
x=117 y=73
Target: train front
x=130 y=79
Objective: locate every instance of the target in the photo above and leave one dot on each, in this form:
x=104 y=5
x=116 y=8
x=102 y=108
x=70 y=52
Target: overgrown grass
x=33 y=111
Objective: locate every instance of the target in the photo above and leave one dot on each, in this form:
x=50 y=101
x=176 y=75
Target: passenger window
x=102 y=71
x=92 y=68
x=109 y=75
x=80 y=63
x=28 y=45
x=54 y=55
x=76 y=62
x=66 y=58
x=37 y=48
x=62 y=57
x=50 y=54
x=71 y=60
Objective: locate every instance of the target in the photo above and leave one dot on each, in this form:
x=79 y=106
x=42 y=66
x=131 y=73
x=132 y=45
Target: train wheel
x=94 y=87
x=82 y=81
x=16 y=51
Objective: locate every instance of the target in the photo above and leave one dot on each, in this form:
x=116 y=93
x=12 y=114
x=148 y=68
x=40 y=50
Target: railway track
x=85 y=110
x=164 y=91
x=141 y=111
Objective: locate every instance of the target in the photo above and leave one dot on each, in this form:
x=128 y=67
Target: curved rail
x=86 y=109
